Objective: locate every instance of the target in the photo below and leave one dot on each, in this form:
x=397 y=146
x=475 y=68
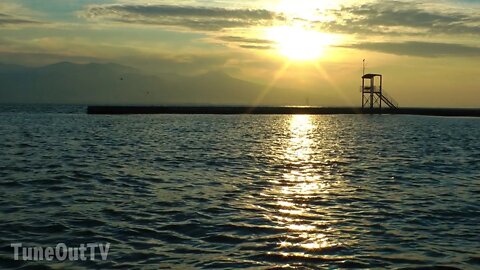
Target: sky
x=428 y=51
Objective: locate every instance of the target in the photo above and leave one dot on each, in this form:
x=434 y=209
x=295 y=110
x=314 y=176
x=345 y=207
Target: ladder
x=388 y=100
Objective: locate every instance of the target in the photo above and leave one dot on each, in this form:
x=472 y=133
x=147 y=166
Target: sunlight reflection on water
x=296 y=188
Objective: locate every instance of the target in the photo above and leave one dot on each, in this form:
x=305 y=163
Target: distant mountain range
x=70 y=83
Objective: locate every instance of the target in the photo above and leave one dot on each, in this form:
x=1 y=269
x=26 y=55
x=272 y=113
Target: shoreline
x=232 y=110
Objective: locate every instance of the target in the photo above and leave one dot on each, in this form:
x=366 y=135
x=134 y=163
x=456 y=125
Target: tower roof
x=371 y=75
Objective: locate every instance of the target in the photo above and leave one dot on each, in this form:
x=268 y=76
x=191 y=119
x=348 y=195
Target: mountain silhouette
x=94 y=83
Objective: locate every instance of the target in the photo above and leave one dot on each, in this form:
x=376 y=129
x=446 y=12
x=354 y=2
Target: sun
x=297 y=43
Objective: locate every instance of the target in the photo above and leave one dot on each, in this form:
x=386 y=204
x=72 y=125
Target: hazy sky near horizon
x=429 y=51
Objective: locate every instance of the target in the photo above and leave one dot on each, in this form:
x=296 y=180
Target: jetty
x=374 y=101
x=231 y=110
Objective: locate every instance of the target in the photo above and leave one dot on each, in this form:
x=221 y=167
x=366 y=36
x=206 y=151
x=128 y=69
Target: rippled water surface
x=259 y=192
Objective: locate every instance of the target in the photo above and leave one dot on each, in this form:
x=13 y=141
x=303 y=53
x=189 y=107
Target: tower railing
x=376 y=89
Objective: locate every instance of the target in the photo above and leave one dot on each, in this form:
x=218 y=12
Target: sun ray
x=272 y=83
x=331 y=82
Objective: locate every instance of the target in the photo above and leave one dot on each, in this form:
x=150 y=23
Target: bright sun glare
x=295 y=40
x=297 y=43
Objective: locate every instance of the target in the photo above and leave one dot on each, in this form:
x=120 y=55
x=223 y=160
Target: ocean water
x=246 y=192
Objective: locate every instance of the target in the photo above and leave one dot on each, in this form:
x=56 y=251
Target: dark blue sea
x=241 y=192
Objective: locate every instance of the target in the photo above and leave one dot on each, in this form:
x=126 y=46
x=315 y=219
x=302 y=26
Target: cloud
x=256 y=47
x=191 y=17
x=6 y=20
x=248 y=43
x=422 y=49
x=245 y=40
x=400 y=17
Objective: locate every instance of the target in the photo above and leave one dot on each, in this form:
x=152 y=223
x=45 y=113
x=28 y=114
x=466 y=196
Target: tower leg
x=363 y=93
x=372 y=90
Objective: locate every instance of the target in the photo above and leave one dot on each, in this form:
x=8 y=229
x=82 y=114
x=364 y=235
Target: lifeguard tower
x=373 y=95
